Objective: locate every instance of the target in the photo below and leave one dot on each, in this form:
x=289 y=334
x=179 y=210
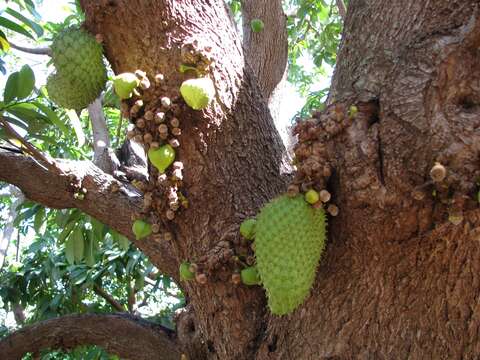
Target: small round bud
x=325 y=196
x=201 y=278
x=170 y=214
x=438 y=172
x=163 y=129
x=236 y=278
x=139 y=103
x=333 y=210
x=176 y=131
x=175 y=122
x=99 y=38
x=159 y=117
x=293 y=190
x=159 y=78
x=138 y=139
x=140 y=123
x=166 y=102
x=145 y=84
x=149 y=115
x=140 y=74
x=155 y=228
x=174 y=143
x=154 y=145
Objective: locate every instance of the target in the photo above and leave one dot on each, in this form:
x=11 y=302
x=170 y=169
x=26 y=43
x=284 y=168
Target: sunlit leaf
x=77 y=126
x=26 y=82
x=9 y=24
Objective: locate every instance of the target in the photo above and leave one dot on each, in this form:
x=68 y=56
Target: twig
x=35 y=51
x=29 y=148
x=342 y=10
x=108 y=298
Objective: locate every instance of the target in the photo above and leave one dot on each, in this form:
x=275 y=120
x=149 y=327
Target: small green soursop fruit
x=250 y=276
x=162 y=157
x=247 y=229
x=257 y=25
x=185 y=273
x=81 y=74
x=124 y=84
x=289 y=240
x=141 y=229
x=198 y=93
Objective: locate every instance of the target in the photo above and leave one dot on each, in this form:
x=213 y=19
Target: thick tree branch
x=29 y=148
x=108 y=200
x=124 y=335
x=266 y=51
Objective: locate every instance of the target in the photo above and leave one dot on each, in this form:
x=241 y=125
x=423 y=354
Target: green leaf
x=11 y=86
x=89 y=250
x=26 y=82
x=77 y=126
x=66 y=231
x=31 y=24
x=14 y=27
x=53 y=117
x=4 y=45
x=79 y=244
x=70 y=250
x=39 y=219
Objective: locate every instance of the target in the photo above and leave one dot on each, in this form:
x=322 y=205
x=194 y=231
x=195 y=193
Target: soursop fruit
x=289 y=240
x=81 y=74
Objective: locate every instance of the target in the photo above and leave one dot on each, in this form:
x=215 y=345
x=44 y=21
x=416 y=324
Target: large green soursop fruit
x=290 y=238
x=81 y=74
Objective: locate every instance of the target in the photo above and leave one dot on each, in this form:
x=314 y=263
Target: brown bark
x=231 y=152
x=266 y=51
x=398 y=279
x=127 y=336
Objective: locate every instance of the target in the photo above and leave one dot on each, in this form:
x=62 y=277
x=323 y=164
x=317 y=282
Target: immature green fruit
x=198 y=93
x=247 y=229
x=290 y=237
x=250 y=276
x=81 y=74
x=124 y=84
x=257 y=25
x=185 y=273
x=162 y=157
x=141 y=229
x=312 y=197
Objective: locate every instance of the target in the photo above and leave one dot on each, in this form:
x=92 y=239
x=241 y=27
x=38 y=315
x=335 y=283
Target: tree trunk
x=399 y=278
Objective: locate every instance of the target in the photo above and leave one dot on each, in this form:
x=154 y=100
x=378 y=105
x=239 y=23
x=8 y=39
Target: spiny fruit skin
x=124 y=84
x=257 y=25
x=141 y=229
x=162 y=157
x=81 y=74
x=185 y=273
x=247 y=229
x=198 y=93
x=289 y=240
x=250 y=276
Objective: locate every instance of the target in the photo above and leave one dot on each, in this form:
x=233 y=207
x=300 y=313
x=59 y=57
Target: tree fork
x=231 y=152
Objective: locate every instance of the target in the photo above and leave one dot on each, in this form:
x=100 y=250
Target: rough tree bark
x=398 y=279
